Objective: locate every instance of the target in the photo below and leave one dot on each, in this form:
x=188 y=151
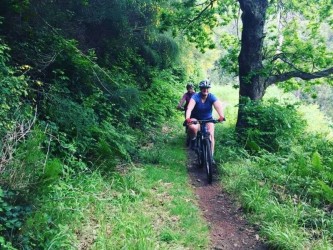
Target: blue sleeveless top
x=203 y=111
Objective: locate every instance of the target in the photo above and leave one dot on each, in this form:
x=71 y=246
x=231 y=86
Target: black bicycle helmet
x=204 y=84
x=190 y=85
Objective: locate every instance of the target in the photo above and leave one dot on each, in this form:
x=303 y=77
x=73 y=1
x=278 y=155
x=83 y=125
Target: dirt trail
x=229 y=230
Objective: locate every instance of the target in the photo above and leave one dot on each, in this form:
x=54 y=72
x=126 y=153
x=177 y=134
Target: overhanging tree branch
x=210 y=4
x=303 y=75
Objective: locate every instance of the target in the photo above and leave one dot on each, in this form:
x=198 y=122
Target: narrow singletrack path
x=228 y=228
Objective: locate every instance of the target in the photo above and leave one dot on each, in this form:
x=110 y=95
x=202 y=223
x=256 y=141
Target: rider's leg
x=193 y=129
x=186 y=127
x=192 y=133
x=211 y=129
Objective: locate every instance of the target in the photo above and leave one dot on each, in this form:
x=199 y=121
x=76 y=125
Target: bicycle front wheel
x=208 y=160
x=199 y=152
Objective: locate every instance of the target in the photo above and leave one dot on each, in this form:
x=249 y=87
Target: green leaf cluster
x=93 y=79
x=12 y=214
x=287 y=190
x=13 y=88
x=271 y=124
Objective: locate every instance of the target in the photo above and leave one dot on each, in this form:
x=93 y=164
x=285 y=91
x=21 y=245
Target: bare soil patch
x=228 y=226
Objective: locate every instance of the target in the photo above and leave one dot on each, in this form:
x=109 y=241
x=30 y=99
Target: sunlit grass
x=280 y=190
x=229 y=98
x=150 y=206
x=317 y=121
x=286 y=236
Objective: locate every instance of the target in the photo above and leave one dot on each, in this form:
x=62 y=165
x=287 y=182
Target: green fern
x=317 y=162
x=53 y=169
x=327 y=191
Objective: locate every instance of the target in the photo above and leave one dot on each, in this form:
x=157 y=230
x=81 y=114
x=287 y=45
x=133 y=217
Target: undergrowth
x=143 y=206
x=286 y=189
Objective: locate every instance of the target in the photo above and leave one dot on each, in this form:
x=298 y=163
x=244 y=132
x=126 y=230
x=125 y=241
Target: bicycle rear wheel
x=208 y=160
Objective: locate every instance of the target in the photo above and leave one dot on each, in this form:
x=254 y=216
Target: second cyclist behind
x=183 y=103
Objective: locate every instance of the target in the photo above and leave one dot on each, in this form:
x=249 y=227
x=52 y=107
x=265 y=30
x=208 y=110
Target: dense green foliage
x=82 y=85
x=282 y=175
x=270 y=124
x=86 y=85
x=146 y=208
x=297 y=39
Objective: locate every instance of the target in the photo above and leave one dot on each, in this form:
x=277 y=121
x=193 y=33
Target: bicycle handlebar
x=207 y=121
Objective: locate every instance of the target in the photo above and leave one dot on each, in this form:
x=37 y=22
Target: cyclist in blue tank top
x=203 y=110
x=200 y=107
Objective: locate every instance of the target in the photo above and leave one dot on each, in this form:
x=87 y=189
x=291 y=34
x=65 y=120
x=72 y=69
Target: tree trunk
x=252 y=84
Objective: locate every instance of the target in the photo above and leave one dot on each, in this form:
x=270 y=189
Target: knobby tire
x=199 y=152
x=207 y=152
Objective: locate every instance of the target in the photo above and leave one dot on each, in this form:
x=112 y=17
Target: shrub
x=12 y=88
x=272 y=126
x=111 y=146
x=71 y=117
x=12 y=215
x=24 y=165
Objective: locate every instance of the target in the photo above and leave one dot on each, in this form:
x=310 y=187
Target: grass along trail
x=221 y=221
x=193 y=214
x=156 y=204
x=146 y=206
x=163 y=202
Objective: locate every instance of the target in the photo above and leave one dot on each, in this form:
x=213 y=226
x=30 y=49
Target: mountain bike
x=203 y=148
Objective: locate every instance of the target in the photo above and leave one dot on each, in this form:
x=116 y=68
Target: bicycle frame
x=203 y=148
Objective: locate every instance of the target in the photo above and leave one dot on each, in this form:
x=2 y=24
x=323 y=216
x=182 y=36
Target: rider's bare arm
x=190 y=107
x=219 y=108
x=181 y=103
